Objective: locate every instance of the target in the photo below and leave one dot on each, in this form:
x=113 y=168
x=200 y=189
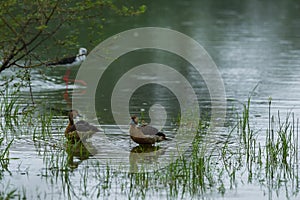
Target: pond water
x=254 y=44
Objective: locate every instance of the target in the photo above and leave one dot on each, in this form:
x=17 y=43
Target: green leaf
x=41 y=27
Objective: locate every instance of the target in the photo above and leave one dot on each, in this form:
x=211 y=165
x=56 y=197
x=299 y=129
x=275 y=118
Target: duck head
x=134 y=120
x=73 y=114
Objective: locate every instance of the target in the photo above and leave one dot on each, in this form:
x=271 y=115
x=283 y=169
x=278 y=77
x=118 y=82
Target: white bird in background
x=71 y=61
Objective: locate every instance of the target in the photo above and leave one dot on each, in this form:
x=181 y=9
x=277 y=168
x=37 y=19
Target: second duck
x=80 y=130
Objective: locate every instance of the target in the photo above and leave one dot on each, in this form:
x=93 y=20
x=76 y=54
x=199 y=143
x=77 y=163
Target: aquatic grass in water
x=9 y=109
x=202 y=171
x=44 y=126
x=7 y=193
x=4 y=159
x=206 y=168
x=15 y=124
x=282 y=150
x=274 y=161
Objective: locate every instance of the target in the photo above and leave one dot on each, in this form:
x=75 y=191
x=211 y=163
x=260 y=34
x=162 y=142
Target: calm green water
x=251 y=42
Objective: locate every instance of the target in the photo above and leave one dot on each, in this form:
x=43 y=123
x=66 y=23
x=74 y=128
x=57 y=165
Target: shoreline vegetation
x=240 y=159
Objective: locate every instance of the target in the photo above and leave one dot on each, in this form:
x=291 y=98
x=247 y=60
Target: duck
x=71 y=61
x=79 y=131
x=145 y=134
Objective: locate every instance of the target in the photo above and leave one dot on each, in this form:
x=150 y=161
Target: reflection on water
x=78 y=152
x=144 y=155
x=252 y=42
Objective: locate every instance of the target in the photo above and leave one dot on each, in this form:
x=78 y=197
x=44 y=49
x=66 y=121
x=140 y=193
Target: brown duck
x=79 y=131
x=144 y=135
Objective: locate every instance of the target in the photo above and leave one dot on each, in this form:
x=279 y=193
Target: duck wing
x=148 y=130
x=84 y=126
x=145 y=134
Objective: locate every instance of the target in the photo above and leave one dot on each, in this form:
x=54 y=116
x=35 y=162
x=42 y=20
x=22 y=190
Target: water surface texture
x=255 y=44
